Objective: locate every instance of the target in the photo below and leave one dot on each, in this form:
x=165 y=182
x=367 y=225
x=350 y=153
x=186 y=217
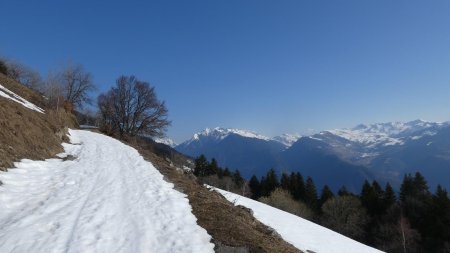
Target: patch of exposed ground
x=26 y=133
x=234 y=229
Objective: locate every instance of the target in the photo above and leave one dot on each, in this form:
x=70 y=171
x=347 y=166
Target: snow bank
x=104 y=198
x=301 y=233
x=4 y=92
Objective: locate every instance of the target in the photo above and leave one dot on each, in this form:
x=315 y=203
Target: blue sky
x=268 y=66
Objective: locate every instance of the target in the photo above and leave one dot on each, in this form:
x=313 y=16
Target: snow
x=4 y=92
x=218 y=134
x=106 y=198
x=287 y=139
x=303 y=234
x=388 y=134
x=166 y=141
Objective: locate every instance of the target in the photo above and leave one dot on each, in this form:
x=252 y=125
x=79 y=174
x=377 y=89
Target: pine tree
x=326 y=195
x=407 y=187
x=255 y=187
x=366 y=193
x=343 y=191
x=269 y=183
x=389 y=197
x=297 y=186
x=237 y=178
x=420 y=185
x=220 y=172
x=226 y=172
x=436 y=226
x=285 y=181
x=311 y=198
x=212 y=168
x=201 y=166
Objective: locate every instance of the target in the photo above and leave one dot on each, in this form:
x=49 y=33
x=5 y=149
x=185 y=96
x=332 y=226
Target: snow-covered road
x=108 y=199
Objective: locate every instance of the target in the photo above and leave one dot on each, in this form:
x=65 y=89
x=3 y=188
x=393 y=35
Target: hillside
x=25 y=132
x=71 y=206
x=303 y=234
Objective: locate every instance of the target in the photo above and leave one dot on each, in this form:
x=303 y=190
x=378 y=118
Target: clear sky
x=268 y=66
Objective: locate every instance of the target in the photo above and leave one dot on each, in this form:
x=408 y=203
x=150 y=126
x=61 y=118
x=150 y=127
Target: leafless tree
x=24 y=75
x=132 y=108
x=345 y=215
x=53 y=91
x=76 y=84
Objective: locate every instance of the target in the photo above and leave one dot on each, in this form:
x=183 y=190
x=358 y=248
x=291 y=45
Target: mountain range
x=381 y=151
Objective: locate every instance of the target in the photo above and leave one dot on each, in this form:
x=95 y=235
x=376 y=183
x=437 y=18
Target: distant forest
x=414 y=220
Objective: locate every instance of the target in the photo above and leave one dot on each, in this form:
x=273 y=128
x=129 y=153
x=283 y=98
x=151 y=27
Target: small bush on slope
x=283 y=200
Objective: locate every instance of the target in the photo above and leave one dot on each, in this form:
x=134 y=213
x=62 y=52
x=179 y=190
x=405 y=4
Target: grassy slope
x=25 y=133
x=227 y=224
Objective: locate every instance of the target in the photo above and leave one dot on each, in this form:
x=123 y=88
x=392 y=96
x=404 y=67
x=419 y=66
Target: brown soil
x=26 y=133
x=229 y=225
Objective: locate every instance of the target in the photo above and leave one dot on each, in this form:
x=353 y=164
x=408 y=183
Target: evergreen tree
x=201 y=166
x=212 y=168
x=389 y=198
x=343 y=191
x=269 y=183
x=285 y=182
x=420 y=185
x=311 y=198
x=237 y=178
x=220 y=172
x=297 y=186
x=366 y=194
x=436 y=227
x=255 y=187
x=372 y=198
x=326 y=195
x=226 y=172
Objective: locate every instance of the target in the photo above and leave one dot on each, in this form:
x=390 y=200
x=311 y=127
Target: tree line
x=414 y=220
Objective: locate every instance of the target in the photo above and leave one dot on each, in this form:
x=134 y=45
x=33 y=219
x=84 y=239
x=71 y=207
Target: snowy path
x=109 y=199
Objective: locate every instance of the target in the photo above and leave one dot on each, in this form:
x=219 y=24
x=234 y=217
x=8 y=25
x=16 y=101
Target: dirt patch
x=25 y=133
x=234 y=229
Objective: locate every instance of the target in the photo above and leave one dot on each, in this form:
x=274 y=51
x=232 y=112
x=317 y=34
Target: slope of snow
x=301 y=233
x=287 y=139
x=106 y=199
x=4 y=92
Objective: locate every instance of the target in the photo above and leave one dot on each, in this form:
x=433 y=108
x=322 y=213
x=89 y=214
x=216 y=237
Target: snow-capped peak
x=390 y=133
x=219 y=133
x=167 y=141
x=287 y=139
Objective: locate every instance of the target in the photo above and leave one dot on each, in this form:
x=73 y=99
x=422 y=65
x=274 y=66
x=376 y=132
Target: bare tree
x=132 y=108
x=24 y=75
x=53 y=91
x=76 y=84
x=345 y=215
x=3 y=67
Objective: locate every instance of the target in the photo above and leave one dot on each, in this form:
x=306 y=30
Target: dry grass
x=227 y=224
x=26 y=133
